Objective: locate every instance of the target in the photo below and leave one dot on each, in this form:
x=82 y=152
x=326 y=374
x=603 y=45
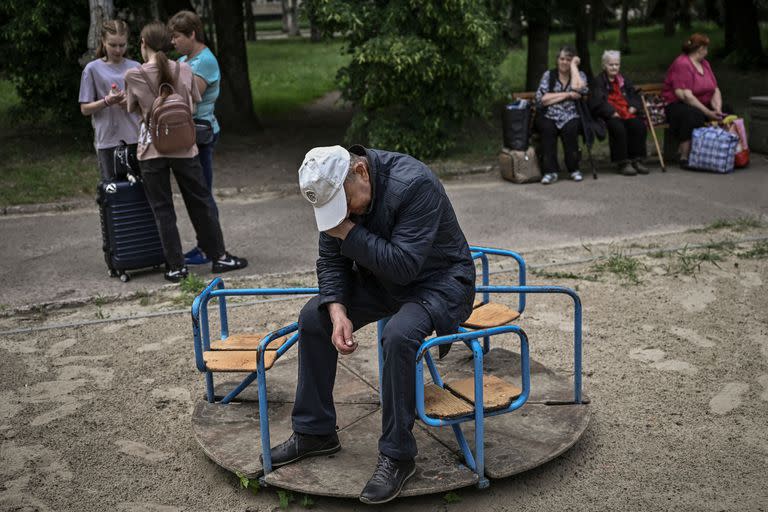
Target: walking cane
x=653 y=133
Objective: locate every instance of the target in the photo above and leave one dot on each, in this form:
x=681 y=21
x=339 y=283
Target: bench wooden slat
x=236 y=360
x=490 y=315
x=441 y=403
x=247 y=341
x=497 y=393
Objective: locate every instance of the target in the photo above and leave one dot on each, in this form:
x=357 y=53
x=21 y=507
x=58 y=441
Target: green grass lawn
x=286 y=74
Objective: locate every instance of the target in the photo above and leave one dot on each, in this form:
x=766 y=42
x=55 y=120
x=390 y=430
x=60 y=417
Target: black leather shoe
x=387 y=480
x=301 y=446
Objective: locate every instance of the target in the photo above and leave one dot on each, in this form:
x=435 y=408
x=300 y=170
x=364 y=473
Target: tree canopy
x=419 y=68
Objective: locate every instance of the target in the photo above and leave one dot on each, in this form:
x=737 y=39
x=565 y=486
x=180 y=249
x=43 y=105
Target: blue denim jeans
x=205 y=152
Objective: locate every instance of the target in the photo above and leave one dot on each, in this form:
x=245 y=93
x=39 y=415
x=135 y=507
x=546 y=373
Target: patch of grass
x=286 y=498
x=38 y=175
x=247 y=483
x=758 y=251
x=100 y=314
x=739 y=224
x=190 y=287
x=563 y=275
x=657 y=254
x=307 y=502
x=625 y=267
x=688 y=261
x=451 y=497
x=286 y=74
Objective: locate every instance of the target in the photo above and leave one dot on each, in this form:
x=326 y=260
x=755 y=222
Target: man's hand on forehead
x=342 y=230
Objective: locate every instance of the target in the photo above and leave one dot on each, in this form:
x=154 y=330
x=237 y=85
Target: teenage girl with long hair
x=102 y=96
x=156 y=167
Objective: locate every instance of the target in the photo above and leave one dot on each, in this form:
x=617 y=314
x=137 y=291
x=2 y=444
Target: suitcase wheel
x=125 y=277
x=112 y=273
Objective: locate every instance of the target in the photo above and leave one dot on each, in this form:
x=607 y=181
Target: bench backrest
x=651 y=92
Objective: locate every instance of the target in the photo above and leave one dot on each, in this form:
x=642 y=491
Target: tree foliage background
x=40 y=43
x=419 y=68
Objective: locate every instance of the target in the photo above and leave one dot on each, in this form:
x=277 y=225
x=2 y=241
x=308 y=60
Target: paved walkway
x=57 y=256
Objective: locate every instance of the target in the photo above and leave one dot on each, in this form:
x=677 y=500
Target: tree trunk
x=235 y=105
x=685 y=15
x=515 y=25
x=669 y=18
x=101 y=11
x=315 y=33
x=744 y=28
x=583 y=20
x=291 y=17
x=539 y=19
x=729 y=21
x=624 y=28
x=250 y=22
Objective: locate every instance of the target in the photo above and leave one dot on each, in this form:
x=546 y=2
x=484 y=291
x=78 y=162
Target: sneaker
x=576 y=176
x=387 y=480
x=227 y=263
x=548 y=178
x=639 y=167
x=176 y=275
x=196 y=257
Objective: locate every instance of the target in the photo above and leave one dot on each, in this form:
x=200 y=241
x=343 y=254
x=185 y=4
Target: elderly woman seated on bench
x=616 y=103
x=559 y=90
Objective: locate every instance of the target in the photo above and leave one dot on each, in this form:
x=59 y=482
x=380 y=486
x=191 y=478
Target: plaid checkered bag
x=713 y=149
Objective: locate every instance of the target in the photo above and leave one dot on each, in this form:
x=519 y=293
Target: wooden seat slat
x=497 y=393
x=441 y=403
x=236 y=360
x=247 y=341
x=490 y=315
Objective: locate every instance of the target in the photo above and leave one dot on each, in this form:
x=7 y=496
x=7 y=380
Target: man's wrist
x=335 y=309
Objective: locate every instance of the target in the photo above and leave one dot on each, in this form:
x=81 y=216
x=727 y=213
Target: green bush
x=418 y=70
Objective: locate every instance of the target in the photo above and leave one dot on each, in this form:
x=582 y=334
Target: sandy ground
x=96 y=416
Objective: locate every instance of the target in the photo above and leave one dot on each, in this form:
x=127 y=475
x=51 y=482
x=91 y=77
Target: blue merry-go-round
x=486 y=413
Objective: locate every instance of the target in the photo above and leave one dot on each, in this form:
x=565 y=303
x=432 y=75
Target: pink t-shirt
x=682 y=74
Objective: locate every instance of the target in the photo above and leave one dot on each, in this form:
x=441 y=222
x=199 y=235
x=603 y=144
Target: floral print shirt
x=564 y=111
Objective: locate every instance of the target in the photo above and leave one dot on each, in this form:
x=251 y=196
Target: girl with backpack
x=167 y=86
x=102 y=96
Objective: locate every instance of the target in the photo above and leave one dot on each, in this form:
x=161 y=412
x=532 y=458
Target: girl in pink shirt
x=691 y=93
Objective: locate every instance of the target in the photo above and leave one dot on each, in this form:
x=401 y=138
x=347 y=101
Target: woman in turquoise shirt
x=187 y=37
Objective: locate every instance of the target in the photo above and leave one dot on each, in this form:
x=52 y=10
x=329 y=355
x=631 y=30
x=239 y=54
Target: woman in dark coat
x=617 y=103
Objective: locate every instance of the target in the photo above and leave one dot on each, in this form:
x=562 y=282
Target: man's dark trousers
x=314 y=412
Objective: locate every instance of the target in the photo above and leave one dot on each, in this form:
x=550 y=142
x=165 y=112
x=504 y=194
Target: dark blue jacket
x=409 y=243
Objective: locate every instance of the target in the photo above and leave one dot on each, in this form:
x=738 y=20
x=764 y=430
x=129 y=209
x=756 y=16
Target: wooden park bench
x=654 y=115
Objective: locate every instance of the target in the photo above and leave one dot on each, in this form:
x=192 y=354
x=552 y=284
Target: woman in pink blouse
x=691 y=93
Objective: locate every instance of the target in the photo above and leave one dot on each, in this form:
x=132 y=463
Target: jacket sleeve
x=598 y=102
x=334 y=271
x=400 y=258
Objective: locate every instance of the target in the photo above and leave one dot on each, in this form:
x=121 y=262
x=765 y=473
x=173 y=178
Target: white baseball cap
x=321 y=179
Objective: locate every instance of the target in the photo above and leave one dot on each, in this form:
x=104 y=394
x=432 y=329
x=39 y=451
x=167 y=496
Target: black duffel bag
x=516 y=125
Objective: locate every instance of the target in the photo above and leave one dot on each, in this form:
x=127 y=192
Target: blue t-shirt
x=205 y=65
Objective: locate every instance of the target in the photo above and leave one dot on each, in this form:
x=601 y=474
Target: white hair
x=610 y=54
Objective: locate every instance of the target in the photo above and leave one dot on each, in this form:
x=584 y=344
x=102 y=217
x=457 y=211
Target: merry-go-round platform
x=530 y=414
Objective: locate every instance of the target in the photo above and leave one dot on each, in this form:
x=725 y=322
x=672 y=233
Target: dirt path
x=97 y=417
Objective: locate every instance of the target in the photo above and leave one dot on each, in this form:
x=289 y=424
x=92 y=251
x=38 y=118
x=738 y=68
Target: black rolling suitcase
x=128 y=228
